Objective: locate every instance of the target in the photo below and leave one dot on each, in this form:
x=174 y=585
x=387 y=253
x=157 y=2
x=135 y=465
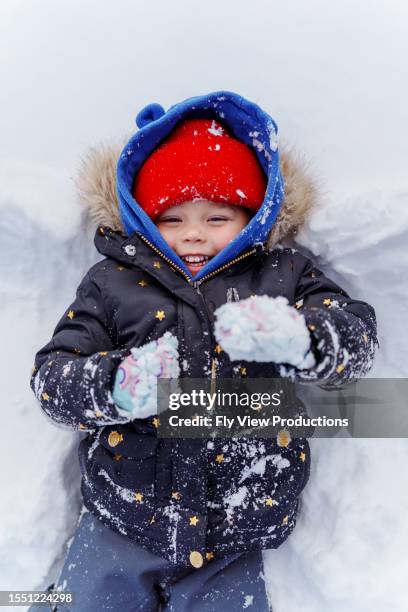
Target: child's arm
x=343 y=330
x=326 y=337
x=72 y=376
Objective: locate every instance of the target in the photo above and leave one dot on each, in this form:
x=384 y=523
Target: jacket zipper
x=224 y=267
x=167 y=259
x=196 y=284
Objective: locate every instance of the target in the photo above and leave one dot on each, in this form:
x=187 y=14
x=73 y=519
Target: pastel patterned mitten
x=135 y=387
x=264 y=329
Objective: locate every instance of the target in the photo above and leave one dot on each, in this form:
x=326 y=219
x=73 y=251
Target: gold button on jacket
x=196 y=559
x=114 y=438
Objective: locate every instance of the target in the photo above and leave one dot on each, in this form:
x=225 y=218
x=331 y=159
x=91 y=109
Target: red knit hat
x=199 y=159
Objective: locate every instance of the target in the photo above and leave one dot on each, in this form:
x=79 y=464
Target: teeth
x=195 y=258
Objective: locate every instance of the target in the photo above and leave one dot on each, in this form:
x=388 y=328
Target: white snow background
x=334 y=76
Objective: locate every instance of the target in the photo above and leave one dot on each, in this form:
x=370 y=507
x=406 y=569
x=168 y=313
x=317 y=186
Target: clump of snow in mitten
x=156 y=359
x=264 y=329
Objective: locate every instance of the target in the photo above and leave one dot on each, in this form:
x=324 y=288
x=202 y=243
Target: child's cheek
x=168 y=235
x=229 y=235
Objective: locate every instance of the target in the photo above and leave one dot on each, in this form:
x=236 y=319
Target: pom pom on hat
x=199 y=160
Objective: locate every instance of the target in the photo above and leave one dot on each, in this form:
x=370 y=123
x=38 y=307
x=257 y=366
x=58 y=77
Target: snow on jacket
x=190 y=500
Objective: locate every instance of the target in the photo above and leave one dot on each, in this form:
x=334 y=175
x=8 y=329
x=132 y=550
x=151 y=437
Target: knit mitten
x=264 y=329
x=135 y=386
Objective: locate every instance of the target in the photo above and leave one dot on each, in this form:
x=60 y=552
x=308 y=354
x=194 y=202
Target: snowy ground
x=334 y=77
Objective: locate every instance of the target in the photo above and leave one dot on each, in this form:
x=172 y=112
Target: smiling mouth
x=195 y=260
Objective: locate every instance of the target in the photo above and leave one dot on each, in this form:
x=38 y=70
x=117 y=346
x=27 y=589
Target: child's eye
x=218 y=218
x=170 y=220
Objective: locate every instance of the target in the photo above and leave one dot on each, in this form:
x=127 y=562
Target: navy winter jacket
x=190 y=500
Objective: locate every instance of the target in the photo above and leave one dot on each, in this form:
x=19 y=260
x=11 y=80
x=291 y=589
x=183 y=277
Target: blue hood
x=247 y=122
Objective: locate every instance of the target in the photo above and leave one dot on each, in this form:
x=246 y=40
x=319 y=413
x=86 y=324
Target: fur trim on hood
x=96 y=182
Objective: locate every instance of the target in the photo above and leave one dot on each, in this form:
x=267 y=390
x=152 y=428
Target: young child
x=181 y=523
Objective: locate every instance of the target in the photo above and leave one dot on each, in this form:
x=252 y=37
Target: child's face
x=199 y=229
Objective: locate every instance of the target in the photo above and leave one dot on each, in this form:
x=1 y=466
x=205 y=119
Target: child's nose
x=193 y=234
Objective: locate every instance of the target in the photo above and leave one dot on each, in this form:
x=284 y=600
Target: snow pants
x=107 y=571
